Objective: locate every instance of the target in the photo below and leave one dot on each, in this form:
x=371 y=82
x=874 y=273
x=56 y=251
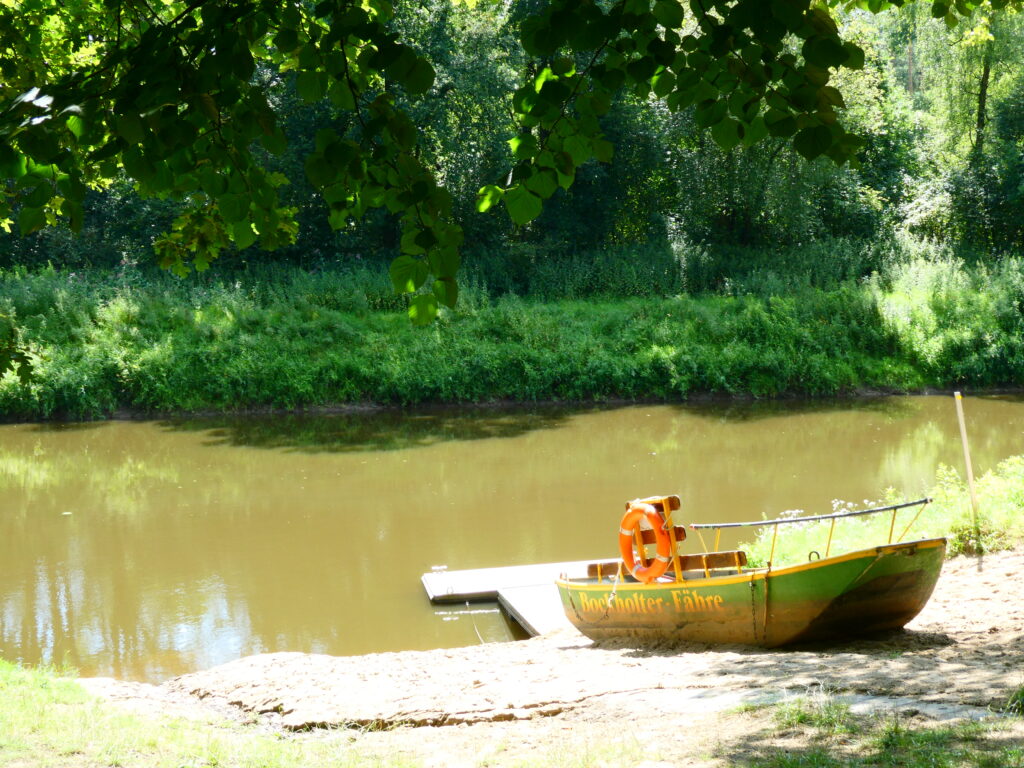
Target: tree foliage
x=174 y=95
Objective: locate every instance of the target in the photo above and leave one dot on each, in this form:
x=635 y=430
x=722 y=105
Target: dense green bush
x=288 y=338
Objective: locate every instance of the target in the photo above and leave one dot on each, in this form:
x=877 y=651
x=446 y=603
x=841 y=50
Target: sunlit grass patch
x=50 y=720
x=820 y=732
x=1015 y=702
x=821 y=711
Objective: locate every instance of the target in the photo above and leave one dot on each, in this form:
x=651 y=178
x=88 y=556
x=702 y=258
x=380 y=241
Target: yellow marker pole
x=967 y=460
x=831 y=530
x=771 y=556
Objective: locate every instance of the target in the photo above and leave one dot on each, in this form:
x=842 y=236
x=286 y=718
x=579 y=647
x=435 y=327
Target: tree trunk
x=910 y=67
x=979 y=126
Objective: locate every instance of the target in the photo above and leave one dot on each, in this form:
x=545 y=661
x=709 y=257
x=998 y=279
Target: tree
x=968 y=188
x=174 y=95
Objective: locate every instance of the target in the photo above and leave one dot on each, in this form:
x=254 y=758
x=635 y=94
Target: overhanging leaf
x=855 y=56
x=543 y=182
x=31 y=219
x=312 y=86
x=754 y=131
x=243 y=234
x=447 y=291
x=488 y=197
x=275 y=142
x=524 y=147
x=578 y=148
x=12 y=164
x=39 y=196
x=407 y=273
x=603 y=150
x=233 y=208
x=669 y=13
x=423 y=309
x=726 y=133
x=420 y=77
x=825 y=51
x=780 y=123
x=523 y=206
x=813 y=142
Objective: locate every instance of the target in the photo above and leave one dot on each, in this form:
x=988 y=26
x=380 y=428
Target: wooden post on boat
x=666 y=506
x=970 y=469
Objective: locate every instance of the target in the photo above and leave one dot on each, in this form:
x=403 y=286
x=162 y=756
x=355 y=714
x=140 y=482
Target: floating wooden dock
x=482 y=584
x=537 y=609
x=527 y=593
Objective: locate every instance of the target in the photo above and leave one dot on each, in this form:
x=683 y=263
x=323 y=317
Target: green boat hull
x=859 y=593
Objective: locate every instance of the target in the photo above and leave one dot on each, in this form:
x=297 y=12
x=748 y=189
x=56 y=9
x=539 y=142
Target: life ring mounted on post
x=629 y=529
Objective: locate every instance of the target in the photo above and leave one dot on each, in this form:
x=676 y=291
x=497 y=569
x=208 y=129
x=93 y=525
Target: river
x=145 y=549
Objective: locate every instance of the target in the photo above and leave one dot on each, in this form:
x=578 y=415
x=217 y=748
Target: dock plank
x=483 y=584
x=537 y=609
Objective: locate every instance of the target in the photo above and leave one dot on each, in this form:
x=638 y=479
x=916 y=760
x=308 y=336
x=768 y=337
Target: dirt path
x=964 y=651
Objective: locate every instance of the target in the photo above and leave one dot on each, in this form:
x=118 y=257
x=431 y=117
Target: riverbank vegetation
x=998 y=523
x=285 y=337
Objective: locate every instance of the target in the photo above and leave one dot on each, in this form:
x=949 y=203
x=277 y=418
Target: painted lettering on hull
x=634 y=603
x=681 y=601
x=692 y=601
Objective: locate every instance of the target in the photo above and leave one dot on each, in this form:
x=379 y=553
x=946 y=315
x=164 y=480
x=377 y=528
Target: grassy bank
x=50 y=720
x=999 y=523
x=821 y=731
x=288 y=338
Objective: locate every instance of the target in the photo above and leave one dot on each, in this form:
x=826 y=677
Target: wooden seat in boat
x=734 y=558
x=703 y=562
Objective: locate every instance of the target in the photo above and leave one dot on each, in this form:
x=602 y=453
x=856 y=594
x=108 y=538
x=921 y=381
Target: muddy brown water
x=143 y=550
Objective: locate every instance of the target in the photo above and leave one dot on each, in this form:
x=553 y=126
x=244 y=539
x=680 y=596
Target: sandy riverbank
x=963 y=655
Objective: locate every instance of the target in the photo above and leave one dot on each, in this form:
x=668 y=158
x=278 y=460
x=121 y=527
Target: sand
x=500 y=703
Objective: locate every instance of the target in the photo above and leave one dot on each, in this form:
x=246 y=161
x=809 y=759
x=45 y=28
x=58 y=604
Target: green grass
x=820 y=732
x=822 y=712
x=1015 y=702
x=1000 y=521
x=287 y=338
x=50 y=721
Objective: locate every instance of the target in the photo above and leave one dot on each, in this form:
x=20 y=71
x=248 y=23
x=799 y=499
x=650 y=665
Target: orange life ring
x=627 y=530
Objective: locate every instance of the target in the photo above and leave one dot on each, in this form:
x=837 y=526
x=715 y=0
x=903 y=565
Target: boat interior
x=698 y=566
x=636 y=533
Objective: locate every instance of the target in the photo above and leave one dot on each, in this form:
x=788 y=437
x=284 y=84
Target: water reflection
x=391 y=429
x=371 y=430
x=146 y=549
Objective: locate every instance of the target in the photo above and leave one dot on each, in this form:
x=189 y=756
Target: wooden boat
x=712 y=597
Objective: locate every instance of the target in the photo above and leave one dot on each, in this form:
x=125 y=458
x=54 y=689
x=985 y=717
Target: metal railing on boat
x=894 y=508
